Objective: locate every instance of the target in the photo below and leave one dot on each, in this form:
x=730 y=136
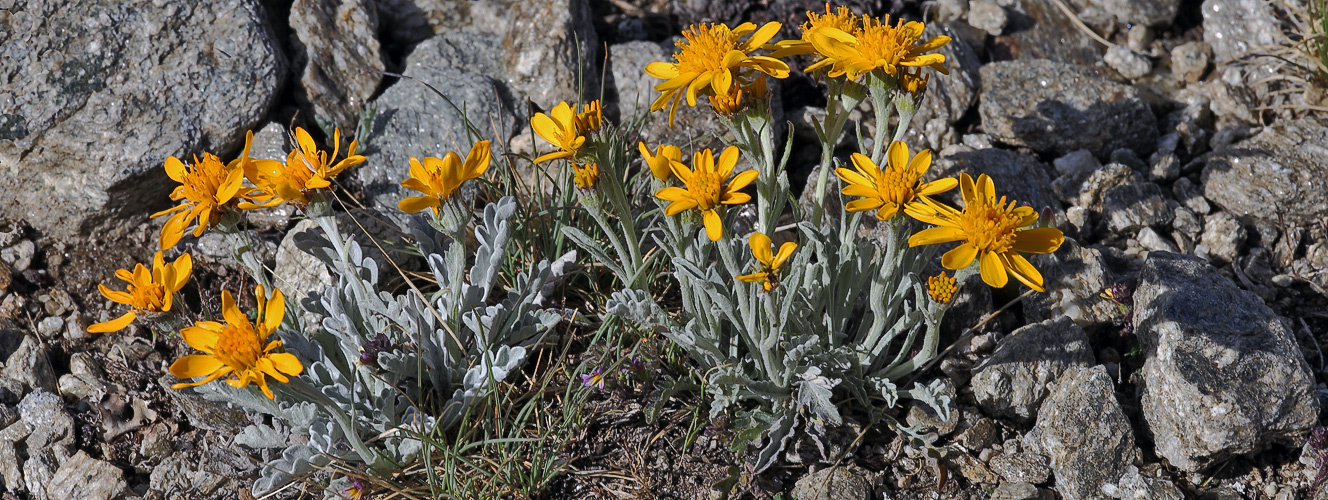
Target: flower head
x=896 y=186
x=566 y=129
x=208 y=188
x=440 y=179
x=150 y=292
x=594 y=379
x=707 y=60
x=840 y=19
x=586 y=176
x=941 y=287
x=369 y=350
x=739 y=94
x=660 y=163
x=769 y=262
x=356 y=490
x=238 y=348
x=914 y=82
x=990 y=230
x=306 y=169
x=876 y=45
x=706 y=189
x=590 y=119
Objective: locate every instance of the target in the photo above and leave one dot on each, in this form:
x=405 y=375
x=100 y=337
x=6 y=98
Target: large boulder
x=1084 y=432
x=336 y=42
x=1019 y=375
x=97 y=93
x=1277 y=176
x=551 y=52
x=1223 y=375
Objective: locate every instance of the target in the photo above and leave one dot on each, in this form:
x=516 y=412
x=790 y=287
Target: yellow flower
x=941 y=288
x=876 y=45
x=438 y=179
x=707 y=60
x=207 y=187
x=914 y=82
x=305 y=170
x=590 y=119
x=149 y=292
x=586 y=175
x=767 y=273
x=896 y=186
x=238 y=348
x=731 y=103
x=706 y=190
x=660 y=163
x=560 y=128
x=840 y=19
x=991 y=231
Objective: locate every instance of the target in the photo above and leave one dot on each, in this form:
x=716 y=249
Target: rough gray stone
x=11 y=468
x=1189 y=61
x=1154 y=242
x=551 y=48
x=84 y=477
x=1018 y=491
x=1021 y=372
x=1085 y=434
x=973 y=469
x=29 y=366
x=1021 y=468
x=1235 y=27
x=980 y=436
x=1155 y=13
x=49 y=426
x=1135 y=486
x=1223 y=375
x=1165 y=169
x=38 y=470
x=1075 y=278
x=1276 y=176
x=78 y=70
x=19 y=255
x=336 y=42
x=948 y=98
x=1128 y=208
x=203 y=413
x=414 y=21
x=832 y=483
x=1058 y=108
x=1017 y=176
x=414 y=121
x=1038 y=30
x=987 y=16
x=1223 y=238
x=1127 y=62
x=1139 y=38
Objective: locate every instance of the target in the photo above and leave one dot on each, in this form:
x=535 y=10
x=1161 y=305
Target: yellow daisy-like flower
x=767 y=273
x=238 y=348
x=438 y=179
x=896 y=186
x=877 y=45
x=840 y=19
x=731 y=103
x=306 y=169
x=208 y=188
x=661 y=162
x=707 y=60
x=706 y=189
x=586 y=176
x=989 y=230
x=149 y=292
x=941 y=288
x=560 y=128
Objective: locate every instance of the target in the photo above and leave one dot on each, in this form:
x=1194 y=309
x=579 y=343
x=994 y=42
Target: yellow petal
x=713 y=225
x=887 y=211
x=959 y=257
x=727 y=161
x=761 y=36
x=731 y=198
x=863 y=204
x=937 y=186
x=202 y=336
x=1022 y=270
x=175 y=169
x=753 y=278
x=897 y=155
x=673 y=193
x=276 y=310
x=662 y=70
x=114 y=325
x=993 y=271
x=1038 y=240
x=232 y=312
x=286 y=362
x=761 y=246
x=785 y=251
x=417 y=204
x=864 y=165
x=545 y=128
x=196 y=365
x=553 y=156
x=115 y=295
x=184 y=267
x=477 y=162
x=742 y=180
x=679 y=206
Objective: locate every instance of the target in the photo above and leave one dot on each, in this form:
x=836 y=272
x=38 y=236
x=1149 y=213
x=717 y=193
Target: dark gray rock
x=832 y=483
x=50 y=427
x=414 y=21
x=1021 y=468
x=1085 y=434
x=1276 y=176
x=414 y=121
x=1135 y=486
x=1128 y=208
x=1223 y=374
x=551 y=48
x=84 y=477
x=1038 y=30
x=1017 y=176
x=1025 y=366
x=1155 y=13
x=77 y=71
x=1057 y=108
x=1075 y=278
x=30 y=367
x=948 y=98
x=337 y=43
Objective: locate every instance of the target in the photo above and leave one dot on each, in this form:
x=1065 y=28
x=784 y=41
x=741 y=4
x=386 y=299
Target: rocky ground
x=1182 y=159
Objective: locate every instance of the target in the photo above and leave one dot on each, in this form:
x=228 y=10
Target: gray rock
x=1085 y=434
x=1075 y=278
x=76 y=70
x=1089 y=192
x=551 y=48
x=1038 y=30
x=298 y=273
x=214 y=473
x=29 y=366
x=204 y=413
x=1018 y=491
x=336 y=42
x=1017 y=176
x=414 y=21
x=1223 y=237
x=1131 y=207
x=11 y=468
x=87 y=478
x=1165 y=169
x=987 y=16
x=1189 y=61
x=832 y=483
x=1190 y=194
x=8 y=415
x=49 y=426
x=1127 y=62
x=1029 y=468
x=980 y=436
x=38 y=471
x=1223 y=375
x=1235 y=27
x=693 y=128
x=950 y=10
x=465 y=66
x=948 y=98
x=1058 y=108
x=1139 y=37
x=50 y=327
x=19 y=255
x=216 y=247
x=1156 y=13
x=1016 y=378
x=1154 y=242
x=1135 y=486
x=973 y=469
x=1192 y=123
x=1276 y=176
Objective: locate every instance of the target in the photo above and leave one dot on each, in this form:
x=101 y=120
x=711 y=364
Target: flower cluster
x=715 y=61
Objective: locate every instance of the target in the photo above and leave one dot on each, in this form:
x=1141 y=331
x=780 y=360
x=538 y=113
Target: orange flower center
x=991 y=228
x=204 y=179
x=882 y=43
x=148 y=297
x=704 y=48
x=896 y=185
x=941 y=288
x=706 y=188
x=840 y=19
x=239 y=347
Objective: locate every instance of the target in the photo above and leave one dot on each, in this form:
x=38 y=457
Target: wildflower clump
x=149 y=293
x=306 y=169
x=876 y=45
x=209 y=192
x=889 y=189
